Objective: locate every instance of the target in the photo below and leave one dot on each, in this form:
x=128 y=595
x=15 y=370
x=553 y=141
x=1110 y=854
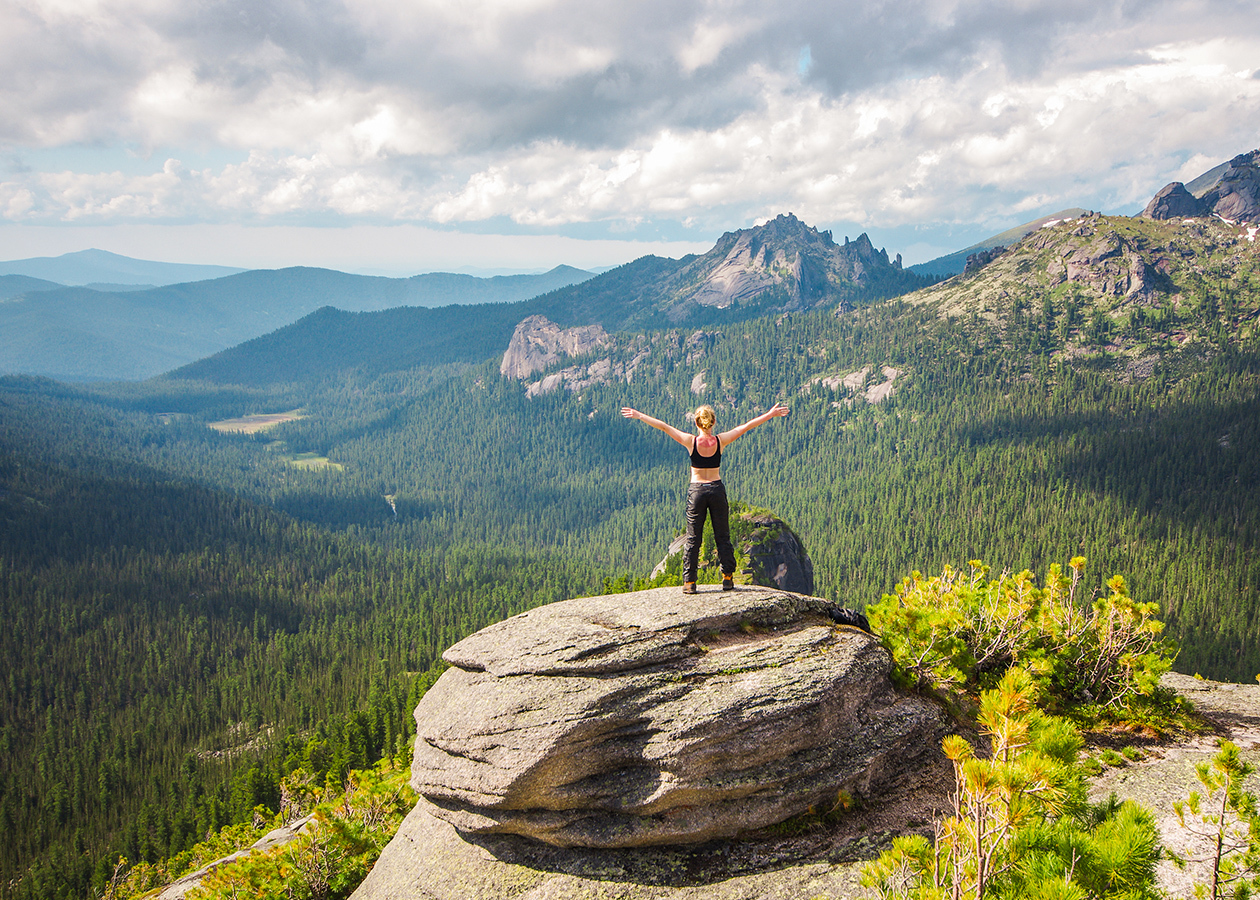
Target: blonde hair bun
x=704 y=417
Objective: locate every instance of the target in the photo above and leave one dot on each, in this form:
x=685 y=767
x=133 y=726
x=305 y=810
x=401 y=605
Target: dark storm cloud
x=514 y=73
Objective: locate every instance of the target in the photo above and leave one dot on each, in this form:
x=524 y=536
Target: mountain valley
x=194 y=618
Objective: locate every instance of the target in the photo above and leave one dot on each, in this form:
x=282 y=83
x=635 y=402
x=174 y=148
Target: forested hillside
x=190 y=614
x=172 y=651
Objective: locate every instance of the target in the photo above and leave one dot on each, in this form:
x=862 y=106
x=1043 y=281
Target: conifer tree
x=1225 y=820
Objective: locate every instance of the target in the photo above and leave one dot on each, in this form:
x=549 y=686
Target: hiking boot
x=690 y=588
x=728 y=582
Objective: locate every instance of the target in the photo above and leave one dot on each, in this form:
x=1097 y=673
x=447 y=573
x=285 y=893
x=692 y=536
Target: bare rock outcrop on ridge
x=1234 y=194
x=1173 y=201
x=538 y=342
x=649 y=718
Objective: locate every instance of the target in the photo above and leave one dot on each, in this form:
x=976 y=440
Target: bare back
x=706 y=444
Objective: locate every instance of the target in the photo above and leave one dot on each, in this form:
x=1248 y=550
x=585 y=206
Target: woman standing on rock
x=707 y=494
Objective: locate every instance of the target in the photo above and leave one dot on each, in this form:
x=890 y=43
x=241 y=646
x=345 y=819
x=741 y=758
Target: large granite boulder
x=655 y=718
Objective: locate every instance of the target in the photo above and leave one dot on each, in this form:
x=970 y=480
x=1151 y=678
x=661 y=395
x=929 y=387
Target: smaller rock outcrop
x=855 y=385
x=776 y=556
x=1174 y=202
x=651 y=718
x=538 y=342
x=981 y=258
x=1109 y=262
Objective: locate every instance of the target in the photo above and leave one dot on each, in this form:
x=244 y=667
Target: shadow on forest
x=1193 y=461
x=363 y=510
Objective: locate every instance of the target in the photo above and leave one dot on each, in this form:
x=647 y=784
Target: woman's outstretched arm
x=738 y=431
x=681 y=436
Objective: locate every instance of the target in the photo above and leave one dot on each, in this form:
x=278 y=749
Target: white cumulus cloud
x=707 y=114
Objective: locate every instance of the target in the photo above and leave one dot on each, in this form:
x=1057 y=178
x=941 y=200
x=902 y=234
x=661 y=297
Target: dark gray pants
x=707 y=498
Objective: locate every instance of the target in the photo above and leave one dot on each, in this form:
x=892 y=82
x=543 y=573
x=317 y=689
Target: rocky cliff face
x=806 y=266
x=538 y=342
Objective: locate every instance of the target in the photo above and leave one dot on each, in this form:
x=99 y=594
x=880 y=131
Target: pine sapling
x=1226 y=820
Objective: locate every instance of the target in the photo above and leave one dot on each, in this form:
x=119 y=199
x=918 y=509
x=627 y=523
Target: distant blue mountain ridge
x=86 y=267
x=115 y=332
x=16 y=285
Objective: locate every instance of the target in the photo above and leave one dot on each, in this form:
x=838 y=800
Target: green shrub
x=333 y=855
x=958 y=633
x=1091 y=766
x=132 y=881
x=350 y=827
x=1226 y=822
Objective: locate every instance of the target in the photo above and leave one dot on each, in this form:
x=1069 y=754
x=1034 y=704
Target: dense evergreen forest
x=172 y=651
x=190 y=615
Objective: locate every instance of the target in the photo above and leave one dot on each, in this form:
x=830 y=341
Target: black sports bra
x=705 y=462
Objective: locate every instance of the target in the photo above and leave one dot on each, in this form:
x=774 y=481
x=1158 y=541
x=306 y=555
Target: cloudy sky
x=410 y=135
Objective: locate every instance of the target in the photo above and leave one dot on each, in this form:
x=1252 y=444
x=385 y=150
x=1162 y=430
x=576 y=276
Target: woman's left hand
x=630 y=413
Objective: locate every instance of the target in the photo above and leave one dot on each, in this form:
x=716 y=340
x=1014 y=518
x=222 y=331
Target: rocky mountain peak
x=787 y=259
x=786 y=227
